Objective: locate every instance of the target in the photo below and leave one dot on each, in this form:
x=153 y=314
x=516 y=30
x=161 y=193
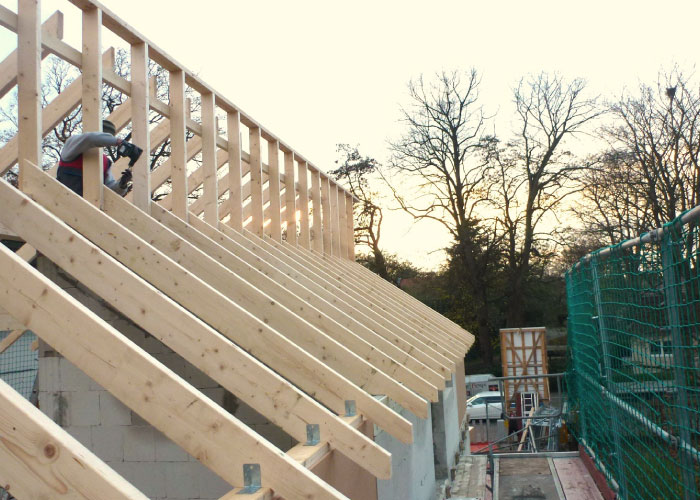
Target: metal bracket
x=313 y=435
x=350 y=408
x=251 y=479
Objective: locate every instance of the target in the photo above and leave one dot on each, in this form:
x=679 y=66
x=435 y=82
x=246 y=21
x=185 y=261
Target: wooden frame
x=198 y=343
x=329 y=327
x=182 y=413
x=524 y=352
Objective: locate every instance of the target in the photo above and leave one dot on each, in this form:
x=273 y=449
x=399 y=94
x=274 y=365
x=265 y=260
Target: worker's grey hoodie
x=77 y=144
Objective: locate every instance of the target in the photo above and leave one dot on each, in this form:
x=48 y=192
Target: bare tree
x=355 y=171
x=438 y=156
x=534 y=173
x=660 y=131
x=613 y=205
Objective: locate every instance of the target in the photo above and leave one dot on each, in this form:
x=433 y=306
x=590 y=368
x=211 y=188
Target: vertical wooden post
x=342 y=224
x=303 y=204
x=350 y=221
x=29 y=81
x=178 y=149
x=209 y=166
x=335 y=221
x=256 y=182
x=139 y=125
x=290 y=197
x=273 y=161
x=327 y=216
x=93 y=175
x=233 y=126
x=316 y=200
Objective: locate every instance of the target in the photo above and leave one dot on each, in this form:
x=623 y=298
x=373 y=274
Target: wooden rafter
x=198 y=343
x=41 y=460
x=226 y=316
x=182 y=413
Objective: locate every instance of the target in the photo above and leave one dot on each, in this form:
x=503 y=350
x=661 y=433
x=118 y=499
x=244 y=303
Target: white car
x=476 y=406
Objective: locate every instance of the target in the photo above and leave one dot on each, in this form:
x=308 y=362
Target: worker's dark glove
x=125 y=178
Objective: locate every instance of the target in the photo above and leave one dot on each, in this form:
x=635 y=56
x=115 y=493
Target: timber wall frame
x=292 y=326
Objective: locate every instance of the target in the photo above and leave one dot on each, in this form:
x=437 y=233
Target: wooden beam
x=53 y=26
x=317 y=240
x=394 y=301
x=327 y=216
x=290 y=198
x=229 y=318
x=178 y=149
x=317 y=298
x=29 y=83
x=342 y=225
x=236 y=371
x=273 y=162
x=11 y=338
x=272 y=303
x=190 y=419
x=196 y=178
x=303 y=319
x=41 y=460
x=8 y=322
x=93 y=176
x=242 y=494
x=277 y=254
x=63 y=104
x=335 y=220
x=391 y=314
x=303 y=204
x=139 y=125
x=334 y=283
x=256 y=182
x=210 y=195
x=235 y=202
x=350 y=221
x=409 y=302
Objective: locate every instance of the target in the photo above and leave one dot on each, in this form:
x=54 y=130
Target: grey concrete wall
x=446 y=430
x=412 y=467
x=127 y=443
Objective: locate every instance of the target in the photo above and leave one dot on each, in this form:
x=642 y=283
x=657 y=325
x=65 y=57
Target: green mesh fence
x=634 y=367
x=19 y=364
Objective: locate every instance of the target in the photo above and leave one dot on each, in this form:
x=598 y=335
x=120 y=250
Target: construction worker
x=70 y=166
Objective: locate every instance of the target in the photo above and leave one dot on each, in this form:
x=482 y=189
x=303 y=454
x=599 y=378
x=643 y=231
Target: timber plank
x=216 y=356
x=182 y=413
x=276 y=267
x=275 y=306
x=229 y=318
x=311 y=294
x=41 y=460
x=307 y=306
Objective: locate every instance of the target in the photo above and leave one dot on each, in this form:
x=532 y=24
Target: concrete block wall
x=412 y=466
x=120 y=437
x=446 y=430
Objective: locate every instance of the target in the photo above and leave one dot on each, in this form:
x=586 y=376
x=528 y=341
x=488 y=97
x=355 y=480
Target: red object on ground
x=478 y=446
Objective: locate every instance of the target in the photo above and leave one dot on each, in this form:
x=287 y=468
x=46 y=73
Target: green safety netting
x=634 y=369
x=19 y=363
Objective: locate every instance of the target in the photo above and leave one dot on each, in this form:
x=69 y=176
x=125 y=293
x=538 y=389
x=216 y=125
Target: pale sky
x=323 y=72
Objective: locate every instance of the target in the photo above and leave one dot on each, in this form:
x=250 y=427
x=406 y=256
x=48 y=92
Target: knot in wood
x=50 y=450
